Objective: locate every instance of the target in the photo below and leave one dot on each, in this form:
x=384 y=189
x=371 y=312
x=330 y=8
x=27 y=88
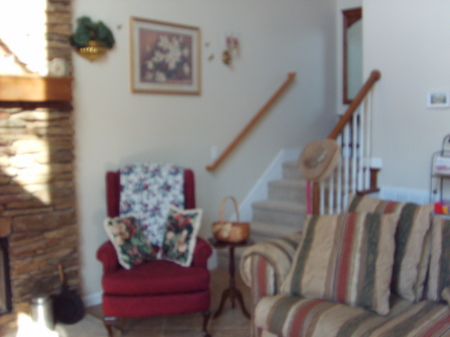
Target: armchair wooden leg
x=206 y=316
x=110 y=323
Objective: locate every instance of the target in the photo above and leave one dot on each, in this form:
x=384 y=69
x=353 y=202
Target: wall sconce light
x=231 y=51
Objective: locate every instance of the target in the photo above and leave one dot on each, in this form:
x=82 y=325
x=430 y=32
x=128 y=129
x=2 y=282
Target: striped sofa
x=379 y=269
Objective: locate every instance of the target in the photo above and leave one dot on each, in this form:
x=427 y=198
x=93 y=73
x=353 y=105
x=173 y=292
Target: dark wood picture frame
x=165 y=57
x=350 y=17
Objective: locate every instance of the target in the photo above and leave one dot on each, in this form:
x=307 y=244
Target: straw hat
x=318 y=159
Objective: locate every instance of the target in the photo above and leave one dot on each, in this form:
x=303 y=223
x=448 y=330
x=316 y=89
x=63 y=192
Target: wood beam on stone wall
x=35 y=89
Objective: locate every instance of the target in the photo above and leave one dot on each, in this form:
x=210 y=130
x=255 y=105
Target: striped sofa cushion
x=411 y=257
x=290 y=316
x=439 y=269
x=345 y=258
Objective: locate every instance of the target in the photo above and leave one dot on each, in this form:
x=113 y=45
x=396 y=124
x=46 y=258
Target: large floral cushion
x=180 y=235
x=147 y=191
x=439 y=269
x=411 y=258
x=130 y=243
x=345 y=258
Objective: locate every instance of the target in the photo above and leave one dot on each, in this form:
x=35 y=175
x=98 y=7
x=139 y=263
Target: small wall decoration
x=165 y=57
x=231 y=50
x=91 y=39
x=438 y=99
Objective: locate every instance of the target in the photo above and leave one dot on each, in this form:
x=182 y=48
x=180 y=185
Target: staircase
x=285 y=209
x=282 y=213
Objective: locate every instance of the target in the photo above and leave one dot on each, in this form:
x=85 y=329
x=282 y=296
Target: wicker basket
x=228 y=231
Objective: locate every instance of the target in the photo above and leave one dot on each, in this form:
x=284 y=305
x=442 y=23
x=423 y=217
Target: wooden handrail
x=253 y=121
x=375 y=75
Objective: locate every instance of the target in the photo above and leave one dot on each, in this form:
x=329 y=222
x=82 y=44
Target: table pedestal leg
x=232 y=292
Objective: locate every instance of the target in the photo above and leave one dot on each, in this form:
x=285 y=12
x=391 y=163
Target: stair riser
x=266 y=230
x=261 y=237
x=291 y=219
x=264 y=237
x=287 y=193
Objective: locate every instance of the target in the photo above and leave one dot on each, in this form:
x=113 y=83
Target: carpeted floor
x=89 y=326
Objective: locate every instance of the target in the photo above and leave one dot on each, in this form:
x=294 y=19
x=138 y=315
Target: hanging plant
x=91 y=39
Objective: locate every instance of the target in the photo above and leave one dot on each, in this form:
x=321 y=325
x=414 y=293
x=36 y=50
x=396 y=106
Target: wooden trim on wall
x=35 y=89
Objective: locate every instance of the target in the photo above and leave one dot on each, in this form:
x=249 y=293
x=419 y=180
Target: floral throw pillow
x=131 y=245
x=180 y=235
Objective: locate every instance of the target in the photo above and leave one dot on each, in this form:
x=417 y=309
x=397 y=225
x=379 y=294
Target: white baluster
x=361 y=166
x=322 y=197
x=338 y=174
x=346 y=155
x=331 y=194
x=368 y=103
x=354 y=152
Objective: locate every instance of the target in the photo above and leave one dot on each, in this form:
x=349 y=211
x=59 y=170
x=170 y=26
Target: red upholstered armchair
x=158 y=287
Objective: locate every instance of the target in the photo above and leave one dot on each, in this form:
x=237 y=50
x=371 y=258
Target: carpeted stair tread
x=277 y=205
x=298 y=183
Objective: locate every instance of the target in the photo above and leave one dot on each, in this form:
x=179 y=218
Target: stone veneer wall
x=37 y=188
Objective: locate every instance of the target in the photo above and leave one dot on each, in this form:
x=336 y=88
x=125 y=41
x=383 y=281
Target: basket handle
x=222 y=206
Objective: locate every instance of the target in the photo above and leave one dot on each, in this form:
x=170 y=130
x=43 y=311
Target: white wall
x=407 y=40
x=115 y=126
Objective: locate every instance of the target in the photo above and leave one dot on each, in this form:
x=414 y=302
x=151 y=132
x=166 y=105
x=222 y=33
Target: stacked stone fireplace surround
x=37 y=185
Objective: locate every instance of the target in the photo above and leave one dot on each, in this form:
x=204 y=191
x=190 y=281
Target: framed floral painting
x=165 y=57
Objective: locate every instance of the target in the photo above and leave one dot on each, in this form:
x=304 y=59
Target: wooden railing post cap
x=376 y=74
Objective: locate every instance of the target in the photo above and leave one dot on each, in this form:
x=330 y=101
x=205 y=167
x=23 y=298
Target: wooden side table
x=232 y=292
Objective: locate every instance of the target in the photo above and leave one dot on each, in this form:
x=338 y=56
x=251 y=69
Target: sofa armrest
x=264 y=266
x=107 y=255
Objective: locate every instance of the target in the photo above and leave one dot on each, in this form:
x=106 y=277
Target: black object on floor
x=68 y=308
